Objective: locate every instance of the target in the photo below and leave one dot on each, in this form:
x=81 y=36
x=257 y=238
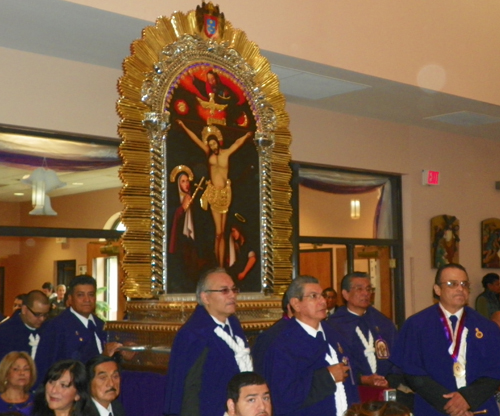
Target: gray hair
x=296 y=288
x=347 y=279
x=202 y=282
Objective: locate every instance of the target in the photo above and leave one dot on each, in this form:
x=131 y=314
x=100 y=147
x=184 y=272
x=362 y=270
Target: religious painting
x=213 y=204
x=206 y=159
x=445 y=238
x=490 y=243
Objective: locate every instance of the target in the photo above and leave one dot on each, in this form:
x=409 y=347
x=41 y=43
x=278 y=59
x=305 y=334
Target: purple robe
x=262 y=343
x=200 y=367
x=381 y=327
x=421 y=352
x=14 y=335
x=297 y=374
x=65 y=337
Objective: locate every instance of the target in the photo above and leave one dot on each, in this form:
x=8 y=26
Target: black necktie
x=91 y=326
x=94 y=350
x=227 y=330
x=453 y=320
x=320 y=336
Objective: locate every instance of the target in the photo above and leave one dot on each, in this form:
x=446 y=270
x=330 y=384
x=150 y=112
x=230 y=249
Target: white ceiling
x=71 y=31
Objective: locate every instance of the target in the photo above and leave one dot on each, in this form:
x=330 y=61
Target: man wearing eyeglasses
x=208 y=351
x=448 y=352
x=307 y=364
x=369 y=333
x=21 y=332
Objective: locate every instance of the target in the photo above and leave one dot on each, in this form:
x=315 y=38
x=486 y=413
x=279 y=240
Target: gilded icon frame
x=165 y=52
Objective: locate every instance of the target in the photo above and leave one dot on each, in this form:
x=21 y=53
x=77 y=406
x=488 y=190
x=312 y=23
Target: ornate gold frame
x=149 y=73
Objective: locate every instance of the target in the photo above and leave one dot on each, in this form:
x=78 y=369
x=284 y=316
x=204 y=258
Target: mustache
x=112 y=389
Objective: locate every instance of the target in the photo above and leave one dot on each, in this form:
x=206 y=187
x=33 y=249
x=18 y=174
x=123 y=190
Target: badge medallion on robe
x=458 y=369
x=382 y=349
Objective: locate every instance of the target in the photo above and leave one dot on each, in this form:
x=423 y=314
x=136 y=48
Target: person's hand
x=180 y=123
x=128 y=355
x=457 y=405
x=241 y=275
x=339 y=371
x=186 y=201
x=110 y=348
x=374 y=380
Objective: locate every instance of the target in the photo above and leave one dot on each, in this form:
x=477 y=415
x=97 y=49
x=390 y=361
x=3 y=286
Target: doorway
x=375 y=261
x=66 y=271
x=104 y=264
x=357 y=216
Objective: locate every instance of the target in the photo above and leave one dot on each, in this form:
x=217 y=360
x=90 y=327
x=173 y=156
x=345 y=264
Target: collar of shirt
x=29 y=327
x=458 y=314
x=221 y=323
x=83 y=320
x=354 y=313
x=101 y=409
x=310 y=330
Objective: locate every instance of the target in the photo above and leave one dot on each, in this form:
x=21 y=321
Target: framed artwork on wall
x=445 y=239
x=490 y=243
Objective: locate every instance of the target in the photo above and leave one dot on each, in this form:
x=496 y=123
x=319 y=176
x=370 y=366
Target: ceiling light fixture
x=42 y=181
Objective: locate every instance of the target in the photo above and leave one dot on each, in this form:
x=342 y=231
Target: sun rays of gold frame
x=149 y=73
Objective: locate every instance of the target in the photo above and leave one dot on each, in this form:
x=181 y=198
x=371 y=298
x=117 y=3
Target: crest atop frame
x=167 y=51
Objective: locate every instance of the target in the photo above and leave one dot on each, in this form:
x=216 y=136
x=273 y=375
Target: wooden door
x=318 y=263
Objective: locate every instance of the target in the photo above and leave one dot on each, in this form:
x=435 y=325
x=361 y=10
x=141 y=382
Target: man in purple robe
x=307 y=364
x=208 y=351
x=369 y=333
x=448 y=352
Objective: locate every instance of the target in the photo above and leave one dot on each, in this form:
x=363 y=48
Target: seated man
x=248 y=395
x=103 y=375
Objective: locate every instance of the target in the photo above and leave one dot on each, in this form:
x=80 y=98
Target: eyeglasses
x=225 y=291
x=37 y=314
x=455 y=283
x=314 y=296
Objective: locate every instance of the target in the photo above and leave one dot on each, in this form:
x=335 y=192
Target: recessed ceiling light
x=77 y=183
x=18 y=194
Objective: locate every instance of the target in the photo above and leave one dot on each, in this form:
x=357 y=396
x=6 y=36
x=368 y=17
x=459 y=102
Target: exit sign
x=430 y=177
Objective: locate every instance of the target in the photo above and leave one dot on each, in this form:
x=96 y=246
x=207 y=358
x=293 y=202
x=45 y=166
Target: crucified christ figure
x=218 y=189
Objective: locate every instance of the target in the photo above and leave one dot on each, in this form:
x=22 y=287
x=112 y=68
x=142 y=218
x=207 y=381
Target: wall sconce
x=355 y=209
x=42 y=180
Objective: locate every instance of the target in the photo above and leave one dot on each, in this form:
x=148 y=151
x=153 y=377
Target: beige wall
x=468 y=173
x=447 y=45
